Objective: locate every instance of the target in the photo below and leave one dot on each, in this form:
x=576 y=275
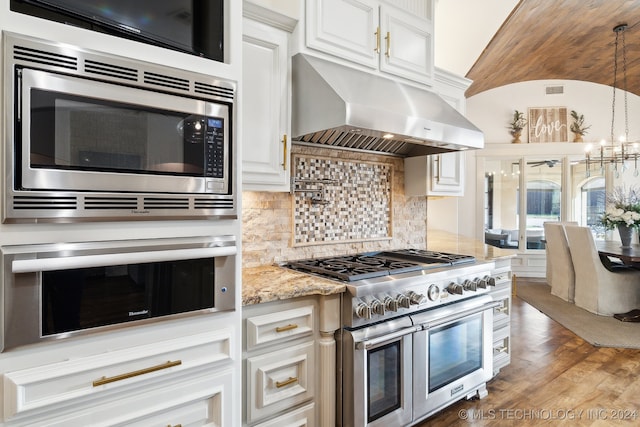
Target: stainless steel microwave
x=93 y=136
x=60 y=290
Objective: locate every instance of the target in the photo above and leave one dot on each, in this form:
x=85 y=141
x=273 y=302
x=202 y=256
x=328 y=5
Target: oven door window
x=455 y=350
x=384 y=380
x=71 y=132
x=86 y=298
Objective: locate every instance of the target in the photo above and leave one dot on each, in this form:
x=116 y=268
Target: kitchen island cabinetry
x=185 y=381
x=266 y=103
x=374 y=34
x=289 y=361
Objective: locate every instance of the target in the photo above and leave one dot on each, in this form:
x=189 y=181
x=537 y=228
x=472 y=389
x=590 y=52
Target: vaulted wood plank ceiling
x=568 y=39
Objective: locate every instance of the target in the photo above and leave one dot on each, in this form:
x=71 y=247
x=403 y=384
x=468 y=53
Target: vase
x=516 y=137
x=625 y=235
x=577 y=138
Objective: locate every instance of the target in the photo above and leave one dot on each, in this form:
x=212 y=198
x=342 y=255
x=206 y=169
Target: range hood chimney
x=338 y=106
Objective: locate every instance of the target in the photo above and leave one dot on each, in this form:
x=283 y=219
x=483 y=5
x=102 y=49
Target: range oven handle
x=367 y=344
x=459 y=315
x=85 y=261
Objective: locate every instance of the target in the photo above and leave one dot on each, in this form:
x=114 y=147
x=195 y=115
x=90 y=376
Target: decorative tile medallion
x=340 y=200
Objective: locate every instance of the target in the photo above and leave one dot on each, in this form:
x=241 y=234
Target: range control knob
x=470 y=285
x=403 y=301
x=481 y=283
x=363 y=311
x=377 y=307
x=433 y=292
x=390 y=303
x=455 y=288
x=491 y=281
x=416 y=298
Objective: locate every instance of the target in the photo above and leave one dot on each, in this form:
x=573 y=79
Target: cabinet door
x=265 y=107
x=447 y=174
x=344 y=28
x=407 y=45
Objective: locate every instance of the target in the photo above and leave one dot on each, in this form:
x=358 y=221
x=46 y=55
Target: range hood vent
x=338 y=106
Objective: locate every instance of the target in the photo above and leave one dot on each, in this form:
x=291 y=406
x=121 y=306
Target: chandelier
x=616 y=152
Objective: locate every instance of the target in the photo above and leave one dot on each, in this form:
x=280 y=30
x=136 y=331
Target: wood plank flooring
x=555 y=378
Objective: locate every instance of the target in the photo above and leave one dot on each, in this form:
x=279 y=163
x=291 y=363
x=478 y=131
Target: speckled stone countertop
x=271 y=282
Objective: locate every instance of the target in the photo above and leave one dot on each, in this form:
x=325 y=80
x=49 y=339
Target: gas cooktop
x=351 y=268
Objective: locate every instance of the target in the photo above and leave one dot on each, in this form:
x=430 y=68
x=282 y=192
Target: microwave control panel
x=214 y=148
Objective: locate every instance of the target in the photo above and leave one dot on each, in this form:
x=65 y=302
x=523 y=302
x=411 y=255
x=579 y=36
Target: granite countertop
x=272 y=282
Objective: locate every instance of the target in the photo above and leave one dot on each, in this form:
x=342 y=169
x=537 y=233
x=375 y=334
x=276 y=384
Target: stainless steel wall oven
x=57 y=290
x=95 y=136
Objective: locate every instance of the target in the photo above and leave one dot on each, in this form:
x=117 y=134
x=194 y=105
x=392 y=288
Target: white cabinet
x=266 y=104
x=187 y=380
x=435 y=175
x=501 y=315
x=289 y=362
x=374 y=34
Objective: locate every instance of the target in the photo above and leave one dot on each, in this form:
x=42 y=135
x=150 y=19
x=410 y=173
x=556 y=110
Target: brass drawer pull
x=388 y=39
x=501 y=349
x=377 y=34
x=286 y=328
x=502 y=309
x=105 y=380
x=291 y=380
x=284 y=151
x=177 y=425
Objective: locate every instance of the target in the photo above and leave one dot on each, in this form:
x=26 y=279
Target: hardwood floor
x=555 y=378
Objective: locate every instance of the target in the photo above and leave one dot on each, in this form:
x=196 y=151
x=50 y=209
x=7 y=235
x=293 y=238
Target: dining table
x=629 y=256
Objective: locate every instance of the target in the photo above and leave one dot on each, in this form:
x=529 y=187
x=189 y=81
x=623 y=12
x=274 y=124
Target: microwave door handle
x=460 y=315
x=86 y=261
x=367 y=344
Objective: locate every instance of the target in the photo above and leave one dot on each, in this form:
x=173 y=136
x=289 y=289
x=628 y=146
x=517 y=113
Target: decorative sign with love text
x=548 y=124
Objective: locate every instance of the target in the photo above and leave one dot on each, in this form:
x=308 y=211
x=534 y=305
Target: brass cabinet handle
x=502 y=349
x=286 y=328
x=388 y=39
x=105 y=380
x=284 y=156
x=177 y=425
x=502 y=309
x=377 y=34
x=284 y=383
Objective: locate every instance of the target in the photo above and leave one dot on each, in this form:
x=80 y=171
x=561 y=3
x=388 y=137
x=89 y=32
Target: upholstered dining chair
x=597 y=289
x=560 y=273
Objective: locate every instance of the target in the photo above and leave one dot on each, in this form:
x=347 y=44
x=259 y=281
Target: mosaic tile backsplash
x=269 y=219
x=339 y=200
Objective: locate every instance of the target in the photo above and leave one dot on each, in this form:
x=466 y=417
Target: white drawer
x=279 y=380
x=108 y=375
x=194 y=401
x=303 y=417
x=280 y=326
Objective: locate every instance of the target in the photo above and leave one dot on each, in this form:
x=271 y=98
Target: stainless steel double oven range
x=91 y=136
x=417 y=335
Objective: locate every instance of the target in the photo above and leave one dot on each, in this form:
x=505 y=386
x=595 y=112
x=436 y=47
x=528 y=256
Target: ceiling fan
x=550 y=163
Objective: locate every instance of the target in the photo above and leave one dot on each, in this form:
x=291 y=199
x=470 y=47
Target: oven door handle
x=367 y=344
x=459 y=315
x=85 y=261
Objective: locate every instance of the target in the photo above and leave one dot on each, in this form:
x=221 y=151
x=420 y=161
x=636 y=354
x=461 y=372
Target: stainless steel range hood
x=338 y=106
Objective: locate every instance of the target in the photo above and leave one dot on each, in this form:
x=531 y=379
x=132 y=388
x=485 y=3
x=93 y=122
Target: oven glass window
x=90 y=297
x=70 y=132
x=384 y=378
x=455 y=350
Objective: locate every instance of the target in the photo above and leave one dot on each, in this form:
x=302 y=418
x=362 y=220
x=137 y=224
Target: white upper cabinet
x=266 y=107
x=374 y=34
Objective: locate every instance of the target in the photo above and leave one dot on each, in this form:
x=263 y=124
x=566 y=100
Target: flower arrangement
x=517 y=123
x=623 y=208
x=577 y=127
